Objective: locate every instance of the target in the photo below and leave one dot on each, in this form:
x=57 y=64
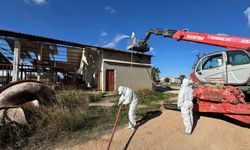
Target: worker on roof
x=133 y=38
x=128 y=97
x=185 y=104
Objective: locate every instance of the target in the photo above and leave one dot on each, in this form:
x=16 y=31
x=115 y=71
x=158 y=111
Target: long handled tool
x=113 y=131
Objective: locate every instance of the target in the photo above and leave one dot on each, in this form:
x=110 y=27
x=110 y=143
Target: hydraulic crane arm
x=230 y=42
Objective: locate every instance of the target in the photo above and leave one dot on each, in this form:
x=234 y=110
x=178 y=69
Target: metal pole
x=17 y=49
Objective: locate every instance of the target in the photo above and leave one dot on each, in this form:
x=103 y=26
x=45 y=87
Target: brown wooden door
x=110 y=80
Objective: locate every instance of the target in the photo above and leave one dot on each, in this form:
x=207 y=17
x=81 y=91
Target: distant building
x=162 y=80
x=174 y=80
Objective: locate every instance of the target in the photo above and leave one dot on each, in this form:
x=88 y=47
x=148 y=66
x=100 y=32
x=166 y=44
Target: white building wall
x=136 y=77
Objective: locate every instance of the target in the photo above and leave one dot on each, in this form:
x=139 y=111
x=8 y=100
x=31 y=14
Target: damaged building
x=69 y=65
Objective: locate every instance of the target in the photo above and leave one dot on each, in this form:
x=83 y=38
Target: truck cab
x=226 y=67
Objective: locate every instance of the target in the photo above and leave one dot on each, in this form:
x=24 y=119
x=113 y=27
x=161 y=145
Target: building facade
x=106 y=69
x=68 y=65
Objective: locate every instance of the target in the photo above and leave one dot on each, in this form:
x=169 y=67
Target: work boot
x=186 y=133
x=129 y=126
x=132 y=129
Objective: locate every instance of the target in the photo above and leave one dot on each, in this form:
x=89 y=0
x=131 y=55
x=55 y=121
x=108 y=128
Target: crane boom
x=229 y=42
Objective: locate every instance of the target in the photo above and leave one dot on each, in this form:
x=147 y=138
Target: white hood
x=185 y=83
x=121 y=89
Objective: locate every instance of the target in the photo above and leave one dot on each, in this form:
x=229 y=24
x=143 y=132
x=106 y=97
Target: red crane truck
x=222 y=79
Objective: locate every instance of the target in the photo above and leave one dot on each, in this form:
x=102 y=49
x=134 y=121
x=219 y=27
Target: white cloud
x=247 y=14
x=193 y=52
x=116 y=40
x=36 y=2
x=103 y=34
x=110 y=9
x=102 y=37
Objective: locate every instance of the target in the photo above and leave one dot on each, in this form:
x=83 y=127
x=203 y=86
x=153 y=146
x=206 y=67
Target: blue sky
x=109 y=23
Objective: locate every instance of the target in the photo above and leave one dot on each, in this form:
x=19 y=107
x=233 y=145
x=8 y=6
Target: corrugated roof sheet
x=20 y=35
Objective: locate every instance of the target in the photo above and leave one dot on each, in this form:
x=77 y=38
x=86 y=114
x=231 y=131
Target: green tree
x=181 y=77
x=167 y=79
x=155 y=73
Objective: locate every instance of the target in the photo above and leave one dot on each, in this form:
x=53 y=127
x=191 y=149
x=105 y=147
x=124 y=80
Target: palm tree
x=181 y=77
x=155 y=73
x=167 y=79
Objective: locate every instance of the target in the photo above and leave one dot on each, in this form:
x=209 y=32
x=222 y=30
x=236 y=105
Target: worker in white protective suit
x=185 y=104
x=133 y=38
x=128 y=97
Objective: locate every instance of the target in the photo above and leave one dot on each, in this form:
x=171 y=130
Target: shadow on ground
x=162 y=89
x=225 y=118
x=148 y=116
x=197 y=115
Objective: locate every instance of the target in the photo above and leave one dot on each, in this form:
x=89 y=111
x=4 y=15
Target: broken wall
x=90 y=67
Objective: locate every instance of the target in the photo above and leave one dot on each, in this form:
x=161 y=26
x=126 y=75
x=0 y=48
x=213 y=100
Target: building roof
x=7 y=33
x=4 y=60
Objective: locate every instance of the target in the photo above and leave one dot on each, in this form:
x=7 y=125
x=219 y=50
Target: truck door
x=212 y=68
x=238 y=67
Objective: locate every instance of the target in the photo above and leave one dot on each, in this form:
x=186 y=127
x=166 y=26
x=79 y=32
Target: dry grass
x=148 y=97
x=70 y=118
x=48 y=124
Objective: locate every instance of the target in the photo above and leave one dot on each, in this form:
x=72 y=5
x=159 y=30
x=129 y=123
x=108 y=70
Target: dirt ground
x=163 y=131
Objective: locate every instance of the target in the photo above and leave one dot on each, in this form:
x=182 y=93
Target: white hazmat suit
x=128 y=97
x=185 y=103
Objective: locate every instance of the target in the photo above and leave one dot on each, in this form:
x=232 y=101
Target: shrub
x=73 y=99
x=146 y=96
x=96 y=97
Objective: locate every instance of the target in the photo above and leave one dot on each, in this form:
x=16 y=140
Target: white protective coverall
x=185 y=103
x=128 y=97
